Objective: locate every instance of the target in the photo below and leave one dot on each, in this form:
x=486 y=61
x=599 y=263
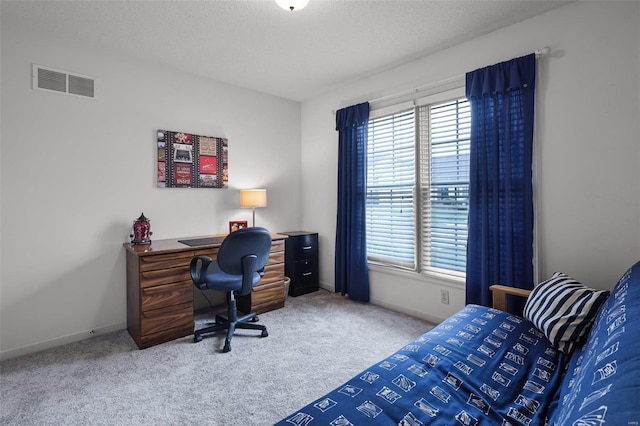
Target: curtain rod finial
x=541 y=53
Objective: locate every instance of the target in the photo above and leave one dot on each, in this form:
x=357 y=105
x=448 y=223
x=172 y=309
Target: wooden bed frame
x=500 y=293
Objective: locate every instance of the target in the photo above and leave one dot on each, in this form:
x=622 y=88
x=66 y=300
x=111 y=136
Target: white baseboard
x=397 y=308
x=403 y=309
x=327 y=287
x=58 y=341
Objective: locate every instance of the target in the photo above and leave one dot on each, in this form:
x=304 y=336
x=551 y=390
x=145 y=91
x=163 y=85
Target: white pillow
x=564 y=310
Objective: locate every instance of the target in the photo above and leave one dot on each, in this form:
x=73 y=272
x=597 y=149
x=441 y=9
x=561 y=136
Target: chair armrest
x=249 y=263
x=500 y=293
x=199 y=272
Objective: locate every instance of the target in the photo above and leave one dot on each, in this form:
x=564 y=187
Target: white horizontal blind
x=391 y=174
x=444 y=184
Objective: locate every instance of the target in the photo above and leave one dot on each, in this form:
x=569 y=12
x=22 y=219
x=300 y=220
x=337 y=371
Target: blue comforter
x=479 y=367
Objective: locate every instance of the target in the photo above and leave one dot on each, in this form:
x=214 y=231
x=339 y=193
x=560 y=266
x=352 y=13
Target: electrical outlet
x=444 y=296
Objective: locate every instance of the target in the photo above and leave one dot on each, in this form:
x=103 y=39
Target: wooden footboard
x=500 y=293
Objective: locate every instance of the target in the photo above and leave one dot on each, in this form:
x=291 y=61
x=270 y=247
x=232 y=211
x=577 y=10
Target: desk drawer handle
x=307 y=248
x=306 y=274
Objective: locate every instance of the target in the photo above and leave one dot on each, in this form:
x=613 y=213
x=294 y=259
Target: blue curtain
x=500 y=241
x=351 y=269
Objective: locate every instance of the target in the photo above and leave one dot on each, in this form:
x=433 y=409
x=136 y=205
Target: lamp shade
x=292 y=5
x=253 y=198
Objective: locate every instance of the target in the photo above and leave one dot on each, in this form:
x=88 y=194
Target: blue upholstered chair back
x=241 y=243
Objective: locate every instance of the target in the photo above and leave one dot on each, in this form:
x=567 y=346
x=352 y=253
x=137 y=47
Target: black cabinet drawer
x=304 y=268
x=301 y=247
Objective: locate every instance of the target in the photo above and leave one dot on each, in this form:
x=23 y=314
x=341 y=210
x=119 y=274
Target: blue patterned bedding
x=479 y=367
x=602 y=383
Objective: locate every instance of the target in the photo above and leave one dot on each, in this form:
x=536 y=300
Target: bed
x=483 y=366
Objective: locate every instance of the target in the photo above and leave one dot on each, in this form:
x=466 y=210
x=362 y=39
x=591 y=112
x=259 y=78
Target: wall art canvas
x=186 y=160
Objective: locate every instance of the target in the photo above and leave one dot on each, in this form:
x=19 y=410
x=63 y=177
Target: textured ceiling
x=256 y=44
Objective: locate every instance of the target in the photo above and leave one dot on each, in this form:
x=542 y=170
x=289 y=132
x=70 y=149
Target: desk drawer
x=272 y=273
x=164 y=276
x=165 y=318
x=163 y=261
x=166 y=335
x=277 y=246
x=267 y=293
x=276 y=258
x=161 y=296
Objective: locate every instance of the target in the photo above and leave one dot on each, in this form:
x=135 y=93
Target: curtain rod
x=540 y=53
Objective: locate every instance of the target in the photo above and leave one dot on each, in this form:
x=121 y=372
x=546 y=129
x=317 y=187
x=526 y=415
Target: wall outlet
x=444 y=296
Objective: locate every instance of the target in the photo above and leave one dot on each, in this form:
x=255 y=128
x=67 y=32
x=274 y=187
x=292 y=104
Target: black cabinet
x=301 y=262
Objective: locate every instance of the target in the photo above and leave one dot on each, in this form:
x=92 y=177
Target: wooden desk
x=160 y=290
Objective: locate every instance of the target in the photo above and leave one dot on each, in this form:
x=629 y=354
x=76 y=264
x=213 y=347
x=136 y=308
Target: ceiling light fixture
x=292 y=5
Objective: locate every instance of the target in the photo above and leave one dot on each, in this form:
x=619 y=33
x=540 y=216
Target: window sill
x=431 y=277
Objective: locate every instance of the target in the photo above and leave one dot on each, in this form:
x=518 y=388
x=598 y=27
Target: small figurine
x=141 y=231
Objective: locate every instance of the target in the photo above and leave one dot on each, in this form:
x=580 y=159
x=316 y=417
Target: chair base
x=246 y=322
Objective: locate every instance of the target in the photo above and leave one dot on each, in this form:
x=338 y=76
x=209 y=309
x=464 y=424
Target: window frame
x=417 y=269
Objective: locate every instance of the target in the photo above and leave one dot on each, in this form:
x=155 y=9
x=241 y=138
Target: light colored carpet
x=315 y=343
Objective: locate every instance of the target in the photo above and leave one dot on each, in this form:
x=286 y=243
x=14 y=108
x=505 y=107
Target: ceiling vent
x=54 y=80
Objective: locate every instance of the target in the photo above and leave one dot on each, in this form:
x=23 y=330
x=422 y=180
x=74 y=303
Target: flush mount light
x=292 y=5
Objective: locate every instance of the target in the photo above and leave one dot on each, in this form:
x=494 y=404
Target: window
x=424 y=147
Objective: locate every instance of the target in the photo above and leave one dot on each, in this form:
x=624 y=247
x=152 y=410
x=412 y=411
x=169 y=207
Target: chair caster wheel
x=227 y=347
x=265 y=333
x=255 y=319
x=197 y=338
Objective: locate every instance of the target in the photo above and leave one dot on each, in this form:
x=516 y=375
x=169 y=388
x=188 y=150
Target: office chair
x=238 y=267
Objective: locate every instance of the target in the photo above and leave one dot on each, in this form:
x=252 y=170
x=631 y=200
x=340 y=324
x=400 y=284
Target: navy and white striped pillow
x=564 y=310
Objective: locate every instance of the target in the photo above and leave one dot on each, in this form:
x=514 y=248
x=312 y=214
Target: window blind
x=391 y=171
x=444 y=184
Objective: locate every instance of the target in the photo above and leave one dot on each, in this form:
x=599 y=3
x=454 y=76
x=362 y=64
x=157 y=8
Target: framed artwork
x=234 y=225
x=186 y=160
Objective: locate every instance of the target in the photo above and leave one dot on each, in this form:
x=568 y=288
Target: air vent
x=54 y=80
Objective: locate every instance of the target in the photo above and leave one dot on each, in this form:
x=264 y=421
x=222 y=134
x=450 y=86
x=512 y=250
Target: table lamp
x=253 y=198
